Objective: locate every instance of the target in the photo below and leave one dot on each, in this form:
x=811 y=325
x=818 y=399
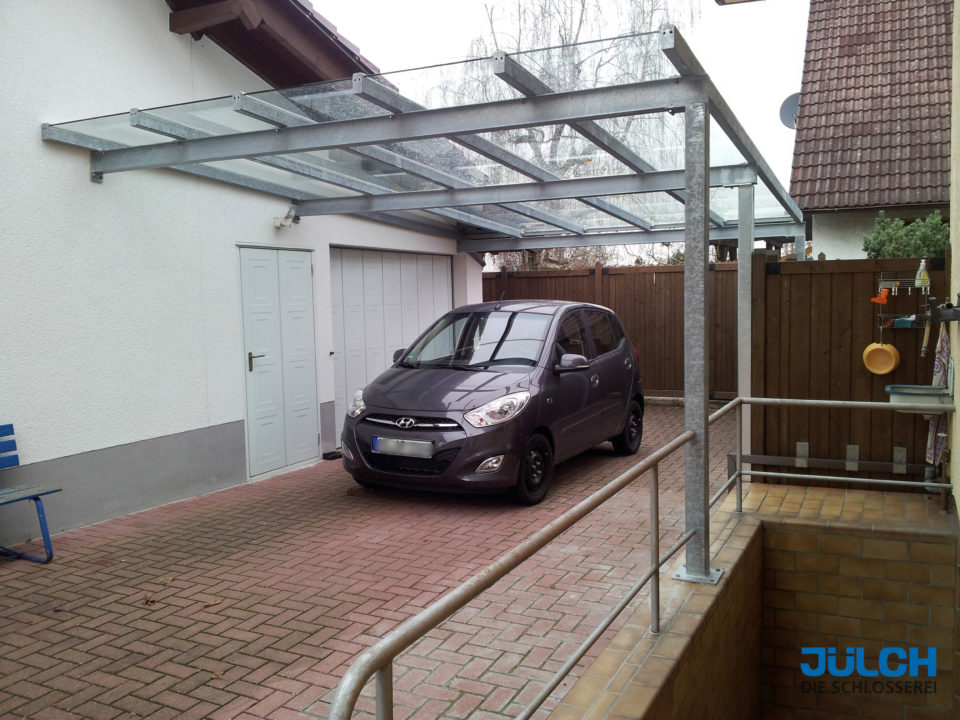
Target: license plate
x=407 y=448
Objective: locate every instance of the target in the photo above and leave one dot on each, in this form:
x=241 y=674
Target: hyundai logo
x=406 y=423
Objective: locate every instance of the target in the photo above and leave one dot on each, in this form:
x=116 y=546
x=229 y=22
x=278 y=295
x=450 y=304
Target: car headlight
x=497 y=411
x=357 y=405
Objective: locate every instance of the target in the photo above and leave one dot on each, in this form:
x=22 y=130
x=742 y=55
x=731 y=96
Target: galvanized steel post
x=695 y=359
x=745 y=224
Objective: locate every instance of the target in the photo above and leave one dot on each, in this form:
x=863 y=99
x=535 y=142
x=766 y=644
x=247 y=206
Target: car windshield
x=480 y=339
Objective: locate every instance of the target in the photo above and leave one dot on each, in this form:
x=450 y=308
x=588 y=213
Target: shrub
x=893 y=238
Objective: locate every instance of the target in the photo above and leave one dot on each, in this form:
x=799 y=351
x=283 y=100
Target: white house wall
x=839 y=235
x=121 y=349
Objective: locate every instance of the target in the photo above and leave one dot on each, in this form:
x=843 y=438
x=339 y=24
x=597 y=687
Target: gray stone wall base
x=116 y=481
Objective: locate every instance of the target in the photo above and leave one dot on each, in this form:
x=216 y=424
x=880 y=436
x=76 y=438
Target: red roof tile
x=873 y=127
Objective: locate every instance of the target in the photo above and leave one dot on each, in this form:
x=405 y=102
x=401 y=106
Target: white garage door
x=380 y=302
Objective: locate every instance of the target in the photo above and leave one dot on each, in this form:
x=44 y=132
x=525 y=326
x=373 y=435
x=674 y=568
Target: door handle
x=595 y=381
x=250 y=357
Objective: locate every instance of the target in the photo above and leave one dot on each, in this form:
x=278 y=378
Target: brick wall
x=716 y=676
x=855 y=586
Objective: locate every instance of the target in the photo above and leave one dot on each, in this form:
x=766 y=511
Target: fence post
x=598 y=283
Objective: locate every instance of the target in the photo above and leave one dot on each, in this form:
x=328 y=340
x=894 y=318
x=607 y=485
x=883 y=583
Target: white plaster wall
x=120 y=303
x=839 y=235
x=467 y=280
x=954 y=441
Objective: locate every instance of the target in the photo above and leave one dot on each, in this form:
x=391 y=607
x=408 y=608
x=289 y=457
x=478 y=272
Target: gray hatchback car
x=492 y=395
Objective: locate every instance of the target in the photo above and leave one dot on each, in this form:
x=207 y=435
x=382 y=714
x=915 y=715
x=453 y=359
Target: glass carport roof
x=563 y=146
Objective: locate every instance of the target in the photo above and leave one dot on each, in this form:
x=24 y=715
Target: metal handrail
x=920 y=408
x=850 y=405
x=378 y=659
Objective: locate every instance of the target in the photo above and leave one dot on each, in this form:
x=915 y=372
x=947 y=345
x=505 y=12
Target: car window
x=571 y=337
x=605 y=331
x=501 y=337
x=475 y=339
x=440 y=343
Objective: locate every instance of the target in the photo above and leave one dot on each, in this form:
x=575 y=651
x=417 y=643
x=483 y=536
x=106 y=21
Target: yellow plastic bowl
x=881 y=359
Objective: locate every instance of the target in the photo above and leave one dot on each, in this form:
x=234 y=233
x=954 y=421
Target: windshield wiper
x=406 y=364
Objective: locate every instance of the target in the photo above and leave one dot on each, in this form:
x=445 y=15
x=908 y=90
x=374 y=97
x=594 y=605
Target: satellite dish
x=788 y=111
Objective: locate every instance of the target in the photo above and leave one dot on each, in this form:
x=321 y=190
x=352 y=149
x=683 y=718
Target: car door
x=572 y=401
x=612 y=364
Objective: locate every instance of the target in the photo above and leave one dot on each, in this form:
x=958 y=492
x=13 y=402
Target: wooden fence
x=811 y=320
x=649 y=301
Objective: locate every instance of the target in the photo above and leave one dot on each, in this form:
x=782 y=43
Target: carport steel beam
x=389 y=99
x=267 y=112
x=639 y=98
x=179 y=131
x=678 y=52
x=525 y=82
x=663 y=181
x=727 y=236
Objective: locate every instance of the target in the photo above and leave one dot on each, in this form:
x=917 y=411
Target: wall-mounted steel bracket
x=944 y=313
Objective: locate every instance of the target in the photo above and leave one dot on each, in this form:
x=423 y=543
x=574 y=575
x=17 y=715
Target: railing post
x=384 y=689
x=655 y=548
x=739 y=457
x=695 y=360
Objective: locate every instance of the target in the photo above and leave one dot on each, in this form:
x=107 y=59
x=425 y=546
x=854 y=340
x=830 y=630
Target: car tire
x=535 y=471
x=629 y=439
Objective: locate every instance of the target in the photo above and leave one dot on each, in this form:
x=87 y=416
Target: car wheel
x=536 y=471
x=628 y=441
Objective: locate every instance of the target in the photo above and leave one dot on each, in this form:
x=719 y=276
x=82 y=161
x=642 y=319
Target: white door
x=380 y=302
x=299 y=356
x=279 y=358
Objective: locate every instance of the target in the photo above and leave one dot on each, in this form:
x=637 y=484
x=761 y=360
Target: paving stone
x=253 y=601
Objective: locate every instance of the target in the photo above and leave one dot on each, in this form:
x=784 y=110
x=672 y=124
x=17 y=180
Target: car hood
x=441 y=389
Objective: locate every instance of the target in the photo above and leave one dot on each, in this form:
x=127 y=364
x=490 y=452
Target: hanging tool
x=926 y=339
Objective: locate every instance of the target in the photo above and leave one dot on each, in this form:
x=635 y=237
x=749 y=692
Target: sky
x=752 y=51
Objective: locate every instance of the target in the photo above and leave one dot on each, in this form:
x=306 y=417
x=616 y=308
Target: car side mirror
x=397 y=354
x=570 y=362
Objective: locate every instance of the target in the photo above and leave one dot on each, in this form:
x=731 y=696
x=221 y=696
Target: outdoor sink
x=920 y=395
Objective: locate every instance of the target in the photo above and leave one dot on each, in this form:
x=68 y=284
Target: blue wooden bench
x=9 y=459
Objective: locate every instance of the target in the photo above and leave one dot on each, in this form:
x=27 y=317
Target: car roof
x=545 y=307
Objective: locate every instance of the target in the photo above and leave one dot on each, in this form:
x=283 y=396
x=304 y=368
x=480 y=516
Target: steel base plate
x=712 y=579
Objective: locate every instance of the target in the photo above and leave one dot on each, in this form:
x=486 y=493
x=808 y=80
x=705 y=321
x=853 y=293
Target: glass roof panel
x=579 y=149
x=257 y=171
x=599 y=63
x=556 y=149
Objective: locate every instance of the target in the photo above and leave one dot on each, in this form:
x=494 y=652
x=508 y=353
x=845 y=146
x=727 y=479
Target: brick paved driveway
x=251 y=602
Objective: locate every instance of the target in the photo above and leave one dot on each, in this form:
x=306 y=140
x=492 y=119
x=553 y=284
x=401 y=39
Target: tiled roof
x=874 y=122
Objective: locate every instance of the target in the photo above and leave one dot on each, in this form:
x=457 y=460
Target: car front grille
x=419 y=423
x=435 y=465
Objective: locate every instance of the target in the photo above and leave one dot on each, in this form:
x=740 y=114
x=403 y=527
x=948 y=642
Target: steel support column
x=696 y=366
x=745 y=303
